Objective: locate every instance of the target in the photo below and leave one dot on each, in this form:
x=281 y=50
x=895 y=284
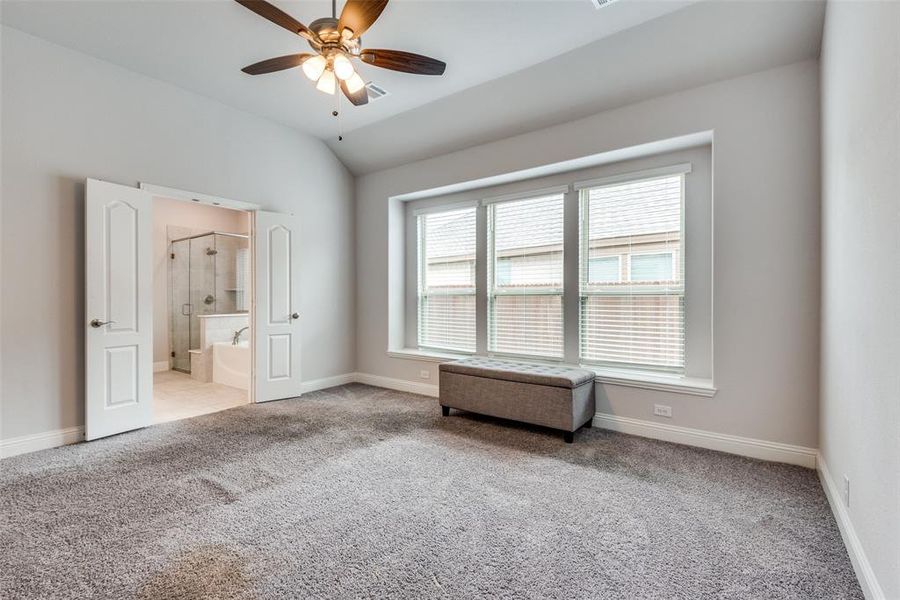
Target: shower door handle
x=98 y=323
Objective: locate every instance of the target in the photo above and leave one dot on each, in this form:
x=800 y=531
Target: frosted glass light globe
x=313 y=67
x=343 y=68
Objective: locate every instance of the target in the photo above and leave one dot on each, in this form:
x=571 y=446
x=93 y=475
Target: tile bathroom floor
x=177 y=396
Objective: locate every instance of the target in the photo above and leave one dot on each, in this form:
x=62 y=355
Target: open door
x=276 y=314
x=119 y=313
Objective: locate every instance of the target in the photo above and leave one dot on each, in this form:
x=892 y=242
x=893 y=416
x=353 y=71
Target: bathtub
x=231 y=364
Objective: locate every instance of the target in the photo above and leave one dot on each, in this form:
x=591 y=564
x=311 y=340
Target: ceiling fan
x=336 y=42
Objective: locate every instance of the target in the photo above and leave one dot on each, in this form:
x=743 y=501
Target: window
x=594 y=271
x=604 y=269
x=639 y=321
x=446 y=292
x=658 y=266
x=525 y=290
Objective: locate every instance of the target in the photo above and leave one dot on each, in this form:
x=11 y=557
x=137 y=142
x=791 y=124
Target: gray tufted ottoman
x=554 y=396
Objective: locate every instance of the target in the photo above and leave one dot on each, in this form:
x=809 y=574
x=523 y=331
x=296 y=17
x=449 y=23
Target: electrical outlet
x=661 y=410
x=846 y=491
x=425 y=374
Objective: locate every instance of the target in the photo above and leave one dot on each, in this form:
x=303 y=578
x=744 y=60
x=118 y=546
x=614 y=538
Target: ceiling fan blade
x=278 y=16
x=359 y=98
x=358 y=15
x=407 y=62
x=279 y=63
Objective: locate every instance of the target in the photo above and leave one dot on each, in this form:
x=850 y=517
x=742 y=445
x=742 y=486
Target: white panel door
x=119 y=311
x=277 y=311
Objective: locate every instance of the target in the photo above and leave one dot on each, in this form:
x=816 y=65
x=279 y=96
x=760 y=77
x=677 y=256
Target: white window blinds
x=633 y=317
x=447 y=280
x=525 y=291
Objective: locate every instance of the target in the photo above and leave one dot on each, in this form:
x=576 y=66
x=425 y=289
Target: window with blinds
x=525 y=271
x=632 y=274
x=447 y=280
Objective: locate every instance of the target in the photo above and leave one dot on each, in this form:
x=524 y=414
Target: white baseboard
x=861 y=565
x=160 y=366
x=327 y=382
x=732 y=444
x=40 y=441
x=401 y=385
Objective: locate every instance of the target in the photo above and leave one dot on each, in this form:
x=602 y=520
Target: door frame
x=188 y=196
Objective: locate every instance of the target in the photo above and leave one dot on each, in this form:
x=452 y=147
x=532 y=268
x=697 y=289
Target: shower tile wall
x=227 y=267
x=208 y=276
x=203 y=282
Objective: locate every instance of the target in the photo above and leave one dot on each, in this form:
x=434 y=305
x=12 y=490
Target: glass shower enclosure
x=209 y=274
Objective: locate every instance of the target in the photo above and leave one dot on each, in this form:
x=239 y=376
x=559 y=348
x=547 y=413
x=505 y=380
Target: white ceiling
x=510 y=63
x=201 y=45
x=703 y=43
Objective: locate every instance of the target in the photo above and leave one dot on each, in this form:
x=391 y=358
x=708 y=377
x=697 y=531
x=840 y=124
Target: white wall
x=197 y=217
x=66 y=117
x=766 y=197
x=860 y=368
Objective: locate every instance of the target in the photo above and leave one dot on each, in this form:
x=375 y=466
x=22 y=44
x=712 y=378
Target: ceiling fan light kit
x=343 y=68
x=355 y=83
x=313 y=67
x=326 y=83
x=337 y=42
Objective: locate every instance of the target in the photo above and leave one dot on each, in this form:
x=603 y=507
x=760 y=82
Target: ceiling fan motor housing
x=326 y=29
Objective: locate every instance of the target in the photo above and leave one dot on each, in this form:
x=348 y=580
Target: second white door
x=276 y=316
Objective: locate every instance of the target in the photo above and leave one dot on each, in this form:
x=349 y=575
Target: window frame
x=618 y=258
x=694 y=162
x=421 y=279
x=678 y=266
x=489 y=205
x=672 y=256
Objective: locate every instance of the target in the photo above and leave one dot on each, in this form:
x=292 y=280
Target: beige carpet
x=358 y=492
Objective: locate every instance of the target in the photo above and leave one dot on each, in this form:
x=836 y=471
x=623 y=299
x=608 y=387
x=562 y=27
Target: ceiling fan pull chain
x=337 y=113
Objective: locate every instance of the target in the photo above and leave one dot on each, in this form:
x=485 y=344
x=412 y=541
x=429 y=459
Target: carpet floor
x=359 y=492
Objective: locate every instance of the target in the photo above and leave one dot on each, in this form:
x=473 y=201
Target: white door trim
x=178 y=194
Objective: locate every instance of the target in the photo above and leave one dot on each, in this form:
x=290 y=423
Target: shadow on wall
x=602 y=400
x=71 y=313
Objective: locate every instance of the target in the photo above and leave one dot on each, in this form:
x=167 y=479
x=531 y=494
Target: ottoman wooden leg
x=445 y=410
x=569 y=436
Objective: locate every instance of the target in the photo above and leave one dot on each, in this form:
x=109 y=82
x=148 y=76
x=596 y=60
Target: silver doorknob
x=295 y=316
x=99 y=323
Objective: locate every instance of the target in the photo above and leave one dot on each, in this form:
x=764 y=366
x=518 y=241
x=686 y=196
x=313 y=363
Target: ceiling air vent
x=598 y=4
x=376 y=92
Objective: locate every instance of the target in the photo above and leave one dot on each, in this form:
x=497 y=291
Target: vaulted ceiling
x=513 y=66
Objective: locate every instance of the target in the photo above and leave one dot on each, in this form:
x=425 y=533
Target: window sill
x=426 y=355
x=649 y=381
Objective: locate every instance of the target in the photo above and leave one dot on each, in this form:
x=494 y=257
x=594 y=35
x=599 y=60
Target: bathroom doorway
x=128 y=322
x=202 y=308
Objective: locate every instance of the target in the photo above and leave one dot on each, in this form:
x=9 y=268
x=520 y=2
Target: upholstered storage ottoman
x=554 y=396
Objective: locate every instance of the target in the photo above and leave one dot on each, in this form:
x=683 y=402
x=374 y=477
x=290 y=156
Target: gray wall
x=766 y=228
x=860 y=378
x=66 y=117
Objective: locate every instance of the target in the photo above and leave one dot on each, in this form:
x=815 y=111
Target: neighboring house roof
x=638 y=208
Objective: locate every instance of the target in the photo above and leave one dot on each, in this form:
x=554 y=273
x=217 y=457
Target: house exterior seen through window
x=630 y=261
x=636 y=320
x=447 y=280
